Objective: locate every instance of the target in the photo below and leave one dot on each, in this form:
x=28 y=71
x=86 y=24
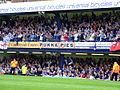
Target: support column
x=57 y=17
x=61 y=62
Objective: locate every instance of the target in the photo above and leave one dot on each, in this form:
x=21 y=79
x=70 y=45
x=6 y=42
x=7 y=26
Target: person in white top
x=75 y=36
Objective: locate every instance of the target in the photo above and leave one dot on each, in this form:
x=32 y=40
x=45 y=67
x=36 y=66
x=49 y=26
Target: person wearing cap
x=115 y=71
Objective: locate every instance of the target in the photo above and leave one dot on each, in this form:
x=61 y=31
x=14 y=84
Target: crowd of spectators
x=75 y=27
x=72 y=66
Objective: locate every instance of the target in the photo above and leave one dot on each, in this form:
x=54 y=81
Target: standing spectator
x=115 y=71
x=24 y=69
x=14 y=64
x=76 y=36
x=66 y=37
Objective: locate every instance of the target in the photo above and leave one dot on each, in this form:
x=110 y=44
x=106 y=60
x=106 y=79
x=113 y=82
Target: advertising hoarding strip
x=24 y=45
x=62 y=45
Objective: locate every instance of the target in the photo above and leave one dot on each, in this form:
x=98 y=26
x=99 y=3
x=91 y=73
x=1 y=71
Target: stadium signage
x=57 y=45
x=56 y=5
x=85 y=45
x=24 y=45
x=103 y=45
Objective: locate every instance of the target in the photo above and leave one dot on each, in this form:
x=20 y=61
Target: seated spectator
x=1 y=70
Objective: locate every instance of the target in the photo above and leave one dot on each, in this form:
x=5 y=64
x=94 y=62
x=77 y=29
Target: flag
x=115 y=46
x=6 y=40
x=3 y=45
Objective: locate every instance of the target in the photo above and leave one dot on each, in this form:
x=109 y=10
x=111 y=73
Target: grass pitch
x=8 y=82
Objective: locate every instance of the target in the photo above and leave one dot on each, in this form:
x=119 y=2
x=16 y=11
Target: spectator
x=14 y=64
x=115 y=71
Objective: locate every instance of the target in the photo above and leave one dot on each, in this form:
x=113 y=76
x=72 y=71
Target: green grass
x=45 y=83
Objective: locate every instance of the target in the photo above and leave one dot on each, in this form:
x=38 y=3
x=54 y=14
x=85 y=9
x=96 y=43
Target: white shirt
x=76 y=36
x=41 y=37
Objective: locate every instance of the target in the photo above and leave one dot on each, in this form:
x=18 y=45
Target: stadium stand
x=49 y=65
x=78 y=28
x=59 y=27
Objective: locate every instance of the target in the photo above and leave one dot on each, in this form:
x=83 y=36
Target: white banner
x=84 y=45
x=56 y=5
x=103 y=45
